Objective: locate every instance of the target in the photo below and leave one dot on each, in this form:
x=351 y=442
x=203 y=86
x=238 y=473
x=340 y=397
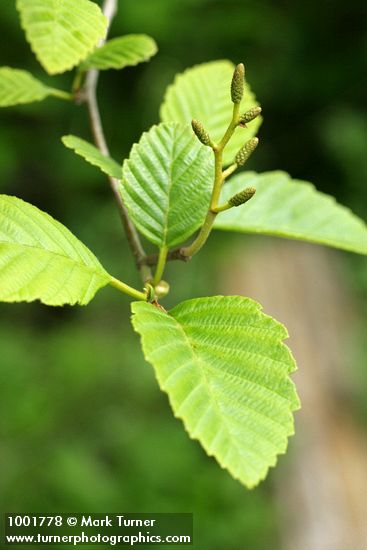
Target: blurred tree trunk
x=322 y=486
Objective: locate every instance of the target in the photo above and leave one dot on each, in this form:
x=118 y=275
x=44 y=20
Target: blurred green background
x=83 y=424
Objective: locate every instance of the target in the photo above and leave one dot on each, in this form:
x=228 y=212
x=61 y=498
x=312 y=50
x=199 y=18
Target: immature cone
x=238 y=83
x=201 y=133
x=242 y=197
x=250 y=115
x=246 y=151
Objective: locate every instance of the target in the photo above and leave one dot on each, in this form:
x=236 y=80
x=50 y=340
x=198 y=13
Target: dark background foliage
x=83 y=425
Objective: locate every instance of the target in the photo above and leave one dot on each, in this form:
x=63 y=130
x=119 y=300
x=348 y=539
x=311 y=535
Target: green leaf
x=226 y=371
x=121 y=52
x=41 y=260
x=293 y=209
x=167 y=183
x=204 y=93
x=18 y=87
x=93 y=156
x=63 y=32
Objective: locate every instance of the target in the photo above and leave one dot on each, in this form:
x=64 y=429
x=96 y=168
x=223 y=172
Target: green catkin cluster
x=201 y=133
x=246 y=151
x=250 y=115
x=238 y=83
x=242 y=197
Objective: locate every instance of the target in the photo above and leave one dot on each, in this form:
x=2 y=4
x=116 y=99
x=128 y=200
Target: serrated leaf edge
x=293 y=406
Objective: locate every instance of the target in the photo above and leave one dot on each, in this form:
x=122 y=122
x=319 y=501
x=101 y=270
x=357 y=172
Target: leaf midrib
x=209 y=389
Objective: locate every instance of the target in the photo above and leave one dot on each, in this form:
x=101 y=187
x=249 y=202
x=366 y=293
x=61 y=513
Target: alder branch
x=176 y=254
x=109 y=9
x=89 y=96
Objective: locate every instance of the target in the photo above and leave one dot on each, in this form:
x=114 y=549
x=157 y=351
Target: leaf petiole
x=60 y=94
x=161 y=264
x=126 y=289
x=78 y=81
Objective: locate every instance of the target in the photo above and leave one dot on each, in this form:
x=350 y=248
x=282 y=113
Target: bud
x=162 y=289
x=238 y=83
x=244 y=154
x=201 y=133
x=242 y=197
x=250 y=115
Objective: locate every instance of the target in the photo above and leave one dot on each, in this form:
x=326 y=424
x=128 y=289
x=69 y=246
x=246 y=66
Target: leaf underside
x=121 y=52
x=93 y=156
x=293 y=209
x=17 y=87
x=41 y=260
x=63 y=32
x=203 y=93
x=167 y=182
x=226 y=371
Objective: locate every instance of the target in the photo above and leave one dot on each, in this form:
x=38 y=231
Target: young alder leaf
x=18 y=87
x=166 y=183
x=293 y=209
x=93 y=156
x=122 y=52
x=41 y=260
x=226 y=371
x=204 y=93
x=61 y=32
